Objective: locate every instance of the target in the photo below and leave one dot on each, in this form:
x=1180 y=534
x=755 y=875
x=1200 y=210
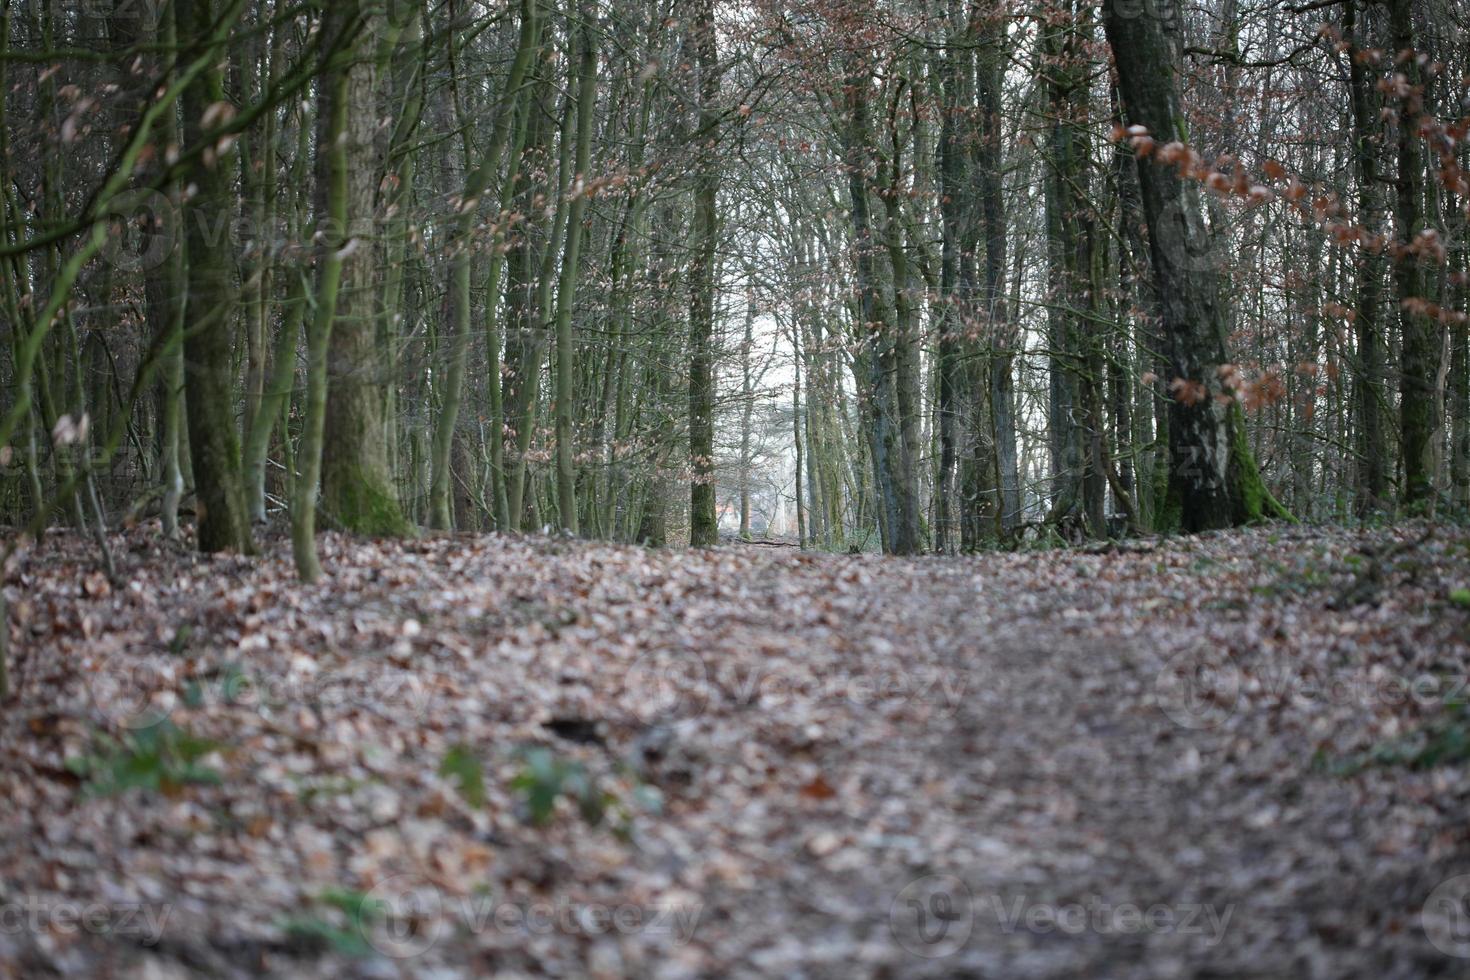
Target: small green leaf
x=461 y=764
x=180 y=642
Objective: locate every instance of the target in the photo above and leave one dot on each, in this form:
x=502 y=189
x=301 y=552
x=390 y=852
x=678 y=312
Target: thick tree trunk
x=358 y=493
x=878 y=363
x=1074 y=417
x=989 y=76
x=1213 y=480
x=954 y=307
x=905 y=348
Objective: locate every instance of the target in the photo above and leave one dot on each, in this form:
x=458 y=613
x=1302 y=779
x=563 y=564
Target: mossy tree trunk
x=876 y=363
x=1213 y=481
x=268 y=385
x=358 y=493
x=210 y=308
x=164 y=297
x=333 y=243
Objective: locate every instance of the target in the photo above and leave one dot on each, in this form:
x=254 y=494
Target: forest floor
x=1238 y=754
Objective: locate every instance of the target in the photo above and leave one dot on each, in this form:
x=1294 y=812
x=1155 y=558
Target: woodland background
x=924 y=275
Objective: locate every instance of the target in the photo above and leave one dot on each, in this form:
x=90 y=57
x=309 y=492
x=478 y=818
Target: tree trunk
x=1213 y=480
x=747 y=408
x=1368 y=395
x=566 y=476
x=358 y=493
x=877 y=363
x=1419 y=422
x=1003 y=336
x=210 y=311
x=332 y=235
x=703 y=522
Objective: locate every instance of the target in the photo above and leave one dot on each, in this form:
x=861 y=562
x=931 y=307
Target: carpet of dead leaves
x=1173 y=758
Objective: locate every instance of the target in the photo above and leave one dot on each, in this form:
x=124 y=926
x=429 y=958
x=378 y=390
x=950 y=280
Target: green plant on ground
x=342 y=927
x=1444 y=741
x=161 y=758
x=544 y=778
x=463 y=766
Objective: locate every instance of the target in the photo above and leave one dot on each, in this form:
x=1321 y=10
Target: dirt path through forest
x=1233 y=755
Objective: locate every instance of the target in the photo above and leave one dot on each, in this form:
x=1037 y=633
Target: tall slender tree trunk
x=954 y=307
x=1070 y=258
x=1368 y=398
x=210 y=311
x=334 y=227
x=566 y=293
x=533 y=276
x=905 y=352
x=1419 y=421
x=877 y=362
x=1002 y=333
x=165 y=296
x=703 y=522
x=801 y=536
x=747 y=410
x=276 y=394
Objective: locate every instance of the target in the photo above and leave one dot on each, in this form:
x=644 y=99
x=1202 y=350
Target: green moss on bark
x=1254 y=501
x=363 y=507
x=1170 y=516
